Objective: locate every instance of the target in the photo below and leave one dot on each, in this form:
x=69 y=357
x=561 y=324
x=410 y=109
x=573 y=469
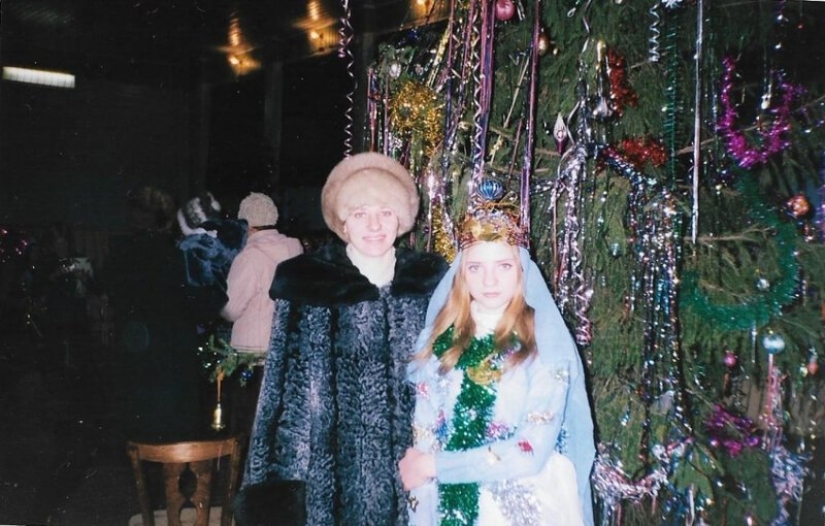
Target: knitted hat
x=196 y=211
x=368 y=179
x=258 y=210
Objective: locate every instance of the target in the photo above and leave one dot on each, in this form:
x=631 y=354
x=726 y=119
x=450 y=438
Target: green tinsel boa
x=482 y=364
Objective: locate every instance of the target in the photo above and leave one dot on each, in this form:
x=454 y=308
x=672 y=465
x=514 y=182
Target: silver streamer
x=573 y=291
x=697 y=124
x=517 y=502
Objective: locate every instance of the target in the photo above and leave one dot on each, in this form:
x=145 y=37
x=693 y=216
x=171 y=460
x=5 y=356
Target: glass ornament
x=773 y=343
x=490 y=189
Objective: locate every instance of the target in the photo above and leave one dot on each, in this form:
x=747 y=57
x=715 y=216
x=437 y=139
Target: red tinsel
x=621 y=94
x=638 y=151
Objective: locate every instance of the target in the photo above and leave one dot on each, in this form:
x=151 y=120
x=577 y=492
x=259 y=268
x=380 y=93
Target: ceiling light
x=54 y=79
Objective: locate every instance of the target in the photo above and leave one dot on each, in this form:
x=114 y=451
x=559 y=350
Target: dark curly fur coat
x=335 y=408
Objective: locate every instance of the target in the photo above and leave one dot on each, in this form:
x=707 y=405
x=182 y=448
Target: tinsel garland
x=731 y=432
x=345 y=52
x=788 y=472
x=638 y=151
x=773 y=139
x=621 y=92
x=482 y=364
x=416 y=111
x=673 y=98
x=757 y=310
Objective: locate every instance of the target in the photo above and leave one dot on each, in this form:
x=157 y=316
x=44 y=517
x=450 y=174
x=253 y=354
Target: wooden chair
x=202 y=458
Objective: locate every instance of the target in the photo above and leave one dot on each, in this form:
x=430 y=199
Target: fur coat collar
x=328 y=277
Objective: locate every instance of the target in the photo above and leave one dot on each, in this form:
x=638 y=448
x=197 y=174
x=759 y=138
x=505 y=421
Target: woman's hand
x=416 y=468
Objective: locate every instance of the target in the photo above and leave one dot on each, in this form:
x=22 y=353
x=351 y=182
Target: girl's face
x=372 y=229
x=492 y=271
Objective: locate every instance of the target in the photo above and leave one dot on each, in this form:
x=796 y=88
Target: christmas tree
x=667 y=158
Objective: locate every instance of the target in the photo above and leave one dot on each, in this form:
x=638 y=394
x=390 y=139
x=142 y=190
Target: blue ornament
x=773 y=343
x=490 y=189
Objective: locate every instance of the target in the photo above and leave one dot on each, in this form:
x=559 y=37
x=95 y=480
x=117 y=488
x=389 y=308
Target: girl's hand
x=416 y=468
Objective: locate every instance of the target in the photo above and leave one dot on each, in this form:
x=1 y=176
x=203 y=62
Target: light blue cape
x=554 y=344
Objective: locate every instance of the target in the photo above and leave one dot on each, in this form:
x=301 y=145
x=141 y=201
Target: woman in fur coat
x=335 y=408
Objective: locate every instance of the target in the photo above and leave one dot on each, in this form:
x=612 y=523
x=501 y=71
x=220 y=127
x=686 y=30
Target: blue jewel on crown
x=490 y=189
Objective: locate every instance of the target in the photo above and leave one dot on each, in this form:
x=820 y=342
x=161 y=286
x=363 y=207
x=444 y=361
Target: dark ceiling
x=151 y=41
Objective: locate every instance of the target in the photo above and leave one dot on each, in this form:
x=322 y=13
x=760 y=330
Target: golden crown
x=491 y=221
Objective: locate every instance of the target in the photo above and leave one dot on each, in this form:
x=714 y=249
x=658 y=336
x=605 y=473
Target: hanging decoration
x=773 y=138
x=223 y=361
x=218 y=423
x=545 y=44
x=730 y=432
x=758 y=310
x=654 y=55
x=642 y=150
x=615 y=487
x=621 y=93
x=697 y=120
x=819 y=215
x=416 y=111
x=798 y=206
x=560 y=134
x=788 y=473
x=527 y=162
x=483 y=72
x=345 y=52
x=573 y=291
x=505 y=9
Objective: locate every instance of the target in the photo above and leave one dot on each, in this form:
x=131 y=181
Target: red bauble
x=505 y=9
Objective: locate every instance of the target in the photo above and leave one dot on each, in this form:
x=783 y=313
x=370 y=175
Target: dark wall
x=314 y=110
x=239 y=160
x=72 y=155
x=312 y=136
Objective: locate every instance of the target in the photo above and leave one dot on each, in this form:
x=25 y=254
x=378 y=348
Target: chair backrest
x=202 y=458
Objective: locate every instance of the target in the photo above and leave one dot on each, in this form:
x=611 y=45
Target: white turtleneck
x=485 y=320
x=378 y=270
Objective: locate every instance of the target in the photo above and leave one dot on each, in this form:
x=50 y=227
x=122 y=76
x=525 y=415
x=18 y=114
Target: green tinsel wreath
x=757 y=310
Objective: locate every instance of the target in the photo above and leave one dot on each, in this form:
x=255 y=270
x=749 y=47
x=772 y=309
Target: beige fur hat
x=258 y=210
x=369 y=179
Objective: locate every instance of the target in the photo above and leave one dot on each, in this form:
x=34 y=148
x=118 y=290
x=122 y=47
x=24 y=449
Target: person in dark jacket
x=334 y=410
x=156 y=320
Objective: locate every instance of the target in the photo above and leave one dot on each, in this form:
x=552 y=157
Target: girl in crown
x=503 y=427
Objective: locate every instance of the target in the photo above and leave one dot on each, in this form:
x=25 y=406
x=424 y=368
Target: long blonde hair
x=518 y=319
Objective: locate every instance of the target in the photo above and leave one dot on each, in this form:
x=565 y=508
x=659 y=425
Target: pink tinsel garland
x=773 y=139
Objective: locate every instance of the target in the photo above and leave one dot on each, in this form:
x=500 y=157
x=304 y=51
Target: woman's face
x=492 y=271
x=372 y=229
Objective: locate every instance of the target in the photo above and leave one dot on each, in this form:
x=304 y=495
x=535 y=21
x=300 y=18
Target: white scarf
x=378 y=270
x=486 y=321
